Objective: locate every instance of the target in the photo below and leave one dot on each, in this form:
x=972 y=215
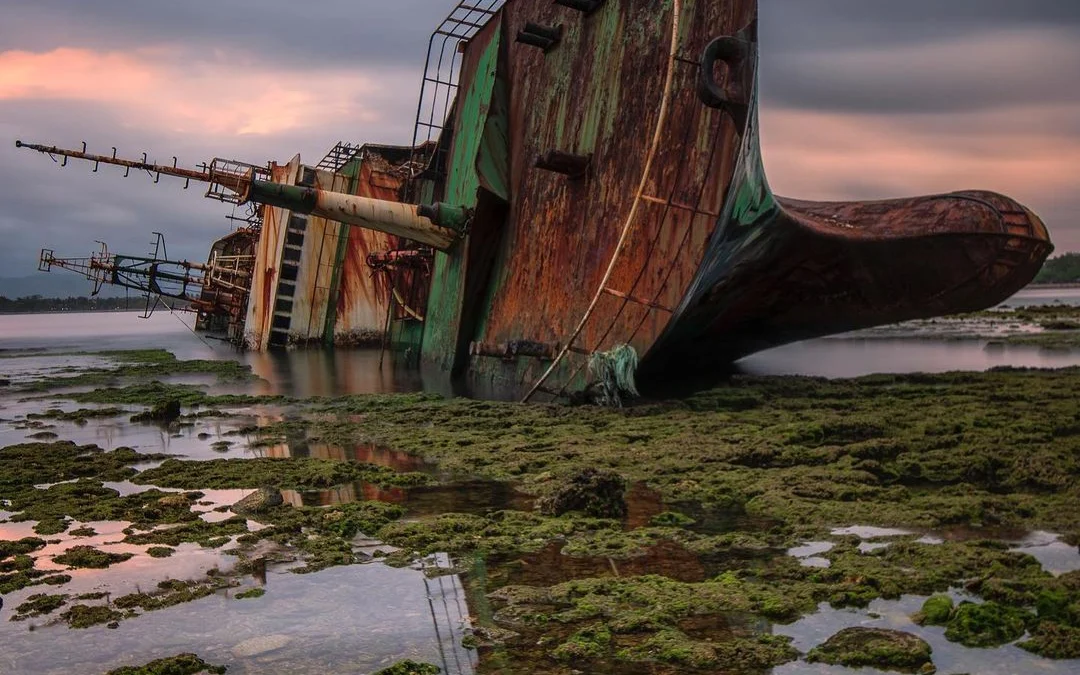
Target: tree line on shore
x=1064 y=269
x=37 y=304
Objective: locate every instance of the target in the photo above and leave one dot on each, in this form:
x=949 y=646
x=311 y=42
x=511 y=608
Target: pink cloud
x=1022 y=151
x=216 y=93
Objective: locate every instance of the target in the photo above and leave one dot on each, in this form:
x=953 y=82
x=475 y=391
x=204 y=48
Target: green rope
x=613 y=375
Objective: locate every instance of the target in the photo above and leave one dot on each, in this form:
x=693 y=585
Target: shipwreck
x=584 y=200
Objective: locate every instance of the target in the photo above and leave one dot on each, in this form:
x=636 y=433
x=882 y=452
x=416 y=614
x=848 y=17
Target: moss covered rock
x=1054 y=641
x=936 y=611
x=259 y=501
x=596 y=492
x=986 y=625
x=182 y=664
x=90 y=557
x=409 y=667
x=876 y=647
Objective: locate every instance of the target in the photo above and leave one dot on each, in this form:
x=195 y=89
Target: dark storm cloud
x=824 y=25
x=919 y=56
x=284 y=32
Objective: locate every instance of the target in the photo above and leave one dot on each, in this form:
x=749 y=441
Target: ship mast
x=235 y=182
x=218 y=286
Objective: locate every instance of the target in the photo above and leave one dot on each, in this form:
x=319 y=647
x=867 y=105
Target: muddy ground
x=734 y=531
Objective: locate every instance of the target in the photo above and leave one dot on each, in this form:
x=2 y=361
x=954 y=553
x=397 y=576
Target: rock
x=935 y=611
x=986 y=625
x=877 y=647
x=164 y=412
x=175 y=501
x=262 y=499
x=260 y=645
x=597 y=492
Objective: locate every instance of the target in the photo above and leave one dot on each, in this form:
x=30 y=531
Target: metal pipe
x=440 y=229
x=402 y=220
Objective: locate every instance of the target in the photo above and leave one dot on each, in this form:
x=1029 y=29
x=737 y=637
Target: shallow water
x=949 y=657
x=322 y=372
x=341 y=620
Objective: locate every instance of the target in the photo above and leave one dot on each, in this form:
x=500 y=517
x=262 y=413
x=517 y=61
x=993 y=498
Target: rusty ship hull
x=587 y=175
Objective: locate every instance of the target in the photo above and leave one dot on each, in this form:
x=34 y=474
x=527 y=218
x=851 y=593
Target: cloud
x=982 y=71
x=219 y=93
x=281 y=33
x=861 y=99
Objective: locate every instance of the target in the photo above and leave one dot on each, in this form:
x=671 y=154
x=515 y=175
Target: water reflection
x=305 y=373
x=342 y=620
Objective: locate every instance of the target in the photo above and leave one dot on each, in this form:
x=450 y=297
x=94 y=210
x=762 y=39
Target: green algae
x=936 y=611
x=88 y=500
x=85 y=616
x=591 y=642
x=161 y=412
x=197 y=531
x=993 y=449
x=1054 y=641
x=141 y=364
x=169 y=593
x=26 y=577
x=20 y=547
x=671 y=519
x=181 y=664
x=290 y=473
x=986 y=625
x=90 y=557
x=251 y=593
x=675 y=647
x=793 y=456
x=39 y=604
x=160 y=552
x=24 y=465
x=80 y=416
x=156 y=392
x=410 y=667
x=84 y=531
x=875 y=647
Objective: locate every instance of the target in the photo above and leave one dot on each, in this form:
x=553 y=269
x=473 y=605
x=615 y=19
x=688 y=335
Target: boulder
x=876 y=647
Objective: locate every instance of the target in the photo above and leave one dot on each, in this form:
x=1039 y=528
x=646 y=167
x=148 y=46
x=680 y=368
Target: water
x=949 y=657
x=342 y=620
x=46 y=341
x=867 y=352
x=333 y=372
x=362 y=617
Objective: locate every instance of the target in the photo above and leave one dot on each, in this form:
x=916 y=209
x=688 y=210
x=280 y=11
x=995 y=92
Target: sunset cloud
x=216 y=93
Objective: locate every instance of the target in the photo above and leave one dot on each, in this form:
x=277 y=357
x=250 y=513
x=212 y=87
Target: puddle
x=809 y=554
x=867 y=532
x=365 y=453
x=871 y=546
x=473 y=497
x=342 y=620
x=1054 y=555
x=949 y=657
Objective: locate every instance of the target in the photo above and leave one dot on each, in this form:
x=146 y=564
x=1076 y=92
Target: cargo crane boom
x=235 y=182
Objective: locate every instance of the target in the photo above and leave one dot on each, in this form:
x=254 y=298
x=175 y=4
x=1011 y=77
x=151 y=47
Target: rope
x=661 y=122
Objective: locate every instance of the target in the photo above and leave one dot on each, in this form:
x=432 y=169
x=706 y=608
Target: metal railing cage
x=442 y=73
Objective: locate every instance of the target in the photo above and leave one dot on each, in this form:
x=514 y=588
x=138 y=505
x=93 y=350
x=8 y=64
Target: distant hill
x=54 y=285
x=1063 y=269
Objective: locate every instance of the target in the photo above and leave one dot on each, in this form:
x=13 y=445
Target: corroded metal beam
x=439 y=229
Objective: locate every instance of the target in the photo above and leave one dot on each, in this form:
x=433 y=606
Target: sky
x=862 y=99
